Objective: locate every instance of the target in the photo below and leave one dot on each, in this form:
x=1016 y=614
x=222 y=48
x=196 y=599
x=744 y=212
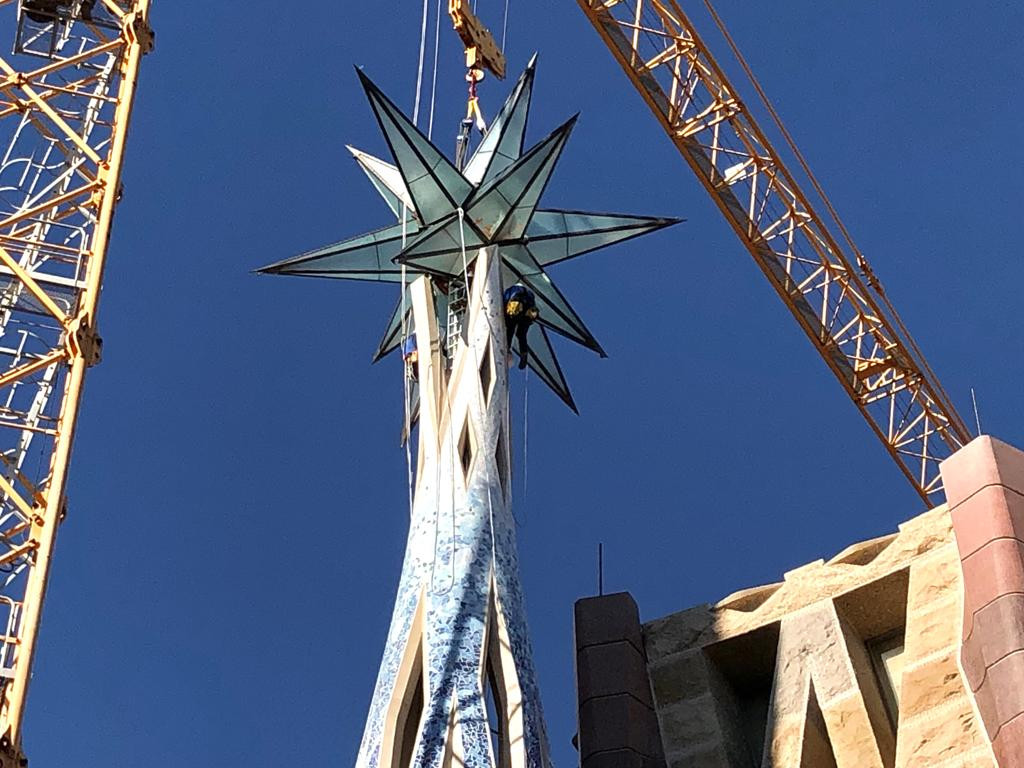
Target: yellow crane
x=810 y=259
x=482 y=50
x=66 y=94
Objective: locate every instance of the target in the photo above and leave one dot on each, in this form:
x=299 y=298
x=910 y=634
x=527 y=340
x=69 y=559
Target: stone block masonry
x=849 y=663
x=984 y=485
x=904 y=651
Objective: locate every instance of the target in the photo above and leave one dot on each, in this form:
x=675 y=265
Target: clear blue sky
x=224 y=580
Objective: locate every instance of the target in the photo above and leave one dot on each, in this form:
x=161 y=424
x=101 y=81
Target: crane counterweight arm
x=830 y=289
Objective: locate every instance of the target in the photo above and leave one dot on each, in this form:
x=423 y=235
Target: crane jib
x=834 y=297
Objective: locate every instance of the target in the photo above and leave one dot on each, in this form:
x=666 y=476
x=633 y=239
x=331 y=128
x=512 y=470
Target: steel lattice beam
x=66 y=97
x=829 y=287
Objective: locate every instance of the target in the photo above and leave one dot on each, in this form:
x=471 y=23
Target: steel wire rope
x=526 y=379
x=437 y=462
x=419 y=68
x=507 y=440
x=507 y=444
x=437 y=493
x=526 y=435
x=479 y=392
x=433 y=84
x=507 y=447
x=437 y=497
x=861 y=261
x=504 y=28
x=655 y=21
x=406 y=385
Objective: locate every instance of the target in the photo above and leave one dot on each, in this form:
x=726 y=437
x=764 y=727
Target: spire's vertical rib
x=461 y=570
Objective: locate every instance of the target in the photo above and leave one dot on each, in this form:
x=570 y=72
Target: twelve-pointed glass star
x=449 y=214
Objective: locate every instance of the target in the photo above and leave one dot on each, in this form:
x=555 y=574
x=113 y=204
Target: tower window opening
x=466 y=449
x=501 y=462
x=407 y=726
x=876 y=616
x=887 y=658
x=458 y=301
x=412 y=725
x=486 y=374
x=495 y=717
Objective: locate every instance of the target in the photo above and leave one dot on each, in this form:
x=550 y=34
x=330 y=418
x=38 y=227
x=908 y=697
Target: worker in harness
x=520 y=312
x=411 y=356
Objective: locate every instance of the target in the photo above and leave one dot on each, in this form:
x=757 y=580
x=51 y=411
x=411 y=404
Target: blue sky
x=224 y=580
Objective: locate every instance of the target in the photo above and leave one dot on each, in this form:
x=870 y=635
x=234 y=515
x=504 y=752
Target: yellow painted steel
x=482 y=50
x=43 y=506
x=810 y=260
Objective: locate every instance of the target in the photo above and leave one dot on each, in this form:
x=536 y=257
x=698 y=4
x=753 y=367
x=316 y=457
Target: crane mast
x=66 y=94
x=811 y=261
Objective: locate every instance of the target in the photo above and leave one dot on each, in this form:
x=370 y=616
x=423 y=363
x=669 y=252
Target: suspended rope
x=419 y=67
x=504 y=28
x=507 y=447
x=526 y=433
x=406 y=383
x=406 y=373
x=476 y=362
x=453 y=455
x=437 y=502
x=433 y=85
x=861 y=261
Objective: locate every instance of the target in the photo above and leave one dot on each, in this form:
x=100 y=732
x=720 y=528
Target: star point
x=449 y=214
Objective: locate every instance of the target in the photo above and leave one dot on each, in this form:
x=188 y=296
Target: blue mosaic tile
x=461 y=542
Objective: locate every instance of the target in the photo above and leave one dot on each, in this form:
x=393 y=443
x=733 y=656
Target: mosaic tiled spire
x=456 y=685
x=459 y=624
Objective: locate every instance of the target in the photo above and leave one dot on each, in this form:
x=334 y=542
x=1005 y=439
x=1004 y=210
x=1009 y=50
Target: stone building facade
x=905 y=651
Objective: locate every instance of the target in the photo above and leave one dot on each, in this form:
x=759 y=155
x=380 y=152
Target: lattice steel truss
x=65 y=101
x=821 y=276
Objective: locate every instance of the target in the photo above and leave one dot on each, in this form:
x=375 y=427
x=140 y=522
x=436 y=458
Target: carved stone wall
x=849 y=663
x=905 y=651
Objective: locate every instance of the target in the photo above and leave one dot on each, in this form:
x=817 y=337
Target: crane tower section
x=811 y=262
x=66 y=92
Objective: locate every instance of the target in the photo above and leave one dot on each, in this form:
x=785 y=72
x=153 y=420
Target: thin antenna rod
x=977 y=418
x=600 y=569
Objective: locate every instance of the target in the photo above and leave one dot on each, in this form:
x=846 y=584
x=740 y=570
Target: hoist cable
x=504 y=28
x=406 y=384
x=419 y=68
x=526 y=434
x=433 y=85
x=861 y=261
x=476 y=358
